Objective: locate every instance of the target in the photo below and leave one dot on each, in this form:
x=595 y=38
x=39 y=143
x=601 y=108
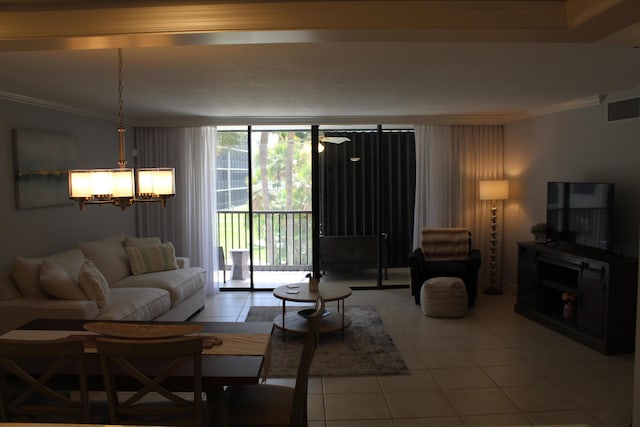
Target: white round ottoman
x=444 y=297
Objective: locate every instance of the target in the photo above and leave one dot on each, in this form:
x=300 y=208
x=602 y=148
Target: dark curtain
x=367 y=187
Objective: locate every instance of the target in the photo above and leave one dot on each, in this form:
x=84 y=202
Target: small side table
x=239 y=264
x=293 y=322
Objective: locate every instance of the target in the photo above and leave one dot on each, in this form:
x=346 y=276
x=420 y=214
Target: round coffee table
x=299 y=292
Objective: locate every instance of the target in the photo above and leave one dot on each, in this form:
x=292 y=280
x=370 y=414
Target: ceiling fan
x=334 y=139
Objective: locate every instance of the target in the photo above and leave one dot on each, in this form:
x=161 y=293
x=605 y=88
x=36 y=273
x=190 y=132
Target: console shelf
x=602 y=286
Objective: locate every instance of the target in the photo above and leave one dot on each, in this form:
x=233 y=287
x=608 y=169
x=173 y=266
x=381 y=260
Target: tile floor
x=493 y=367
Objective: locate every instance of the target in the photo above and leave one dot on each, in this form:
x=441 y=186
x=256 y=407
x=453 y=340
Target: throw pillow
x=26 y=274
x=109 y=256
x=141 y=241
x=71 y=260
x=94 y=284
x=148 y=259
x=58 y=283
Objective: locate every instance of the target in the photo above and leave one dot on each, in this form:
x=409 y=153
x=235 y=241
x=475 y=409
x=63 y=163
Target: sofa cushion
x=8 y=288
x=58 y=283
x=94 y=284
x=136 y=304
x=26 y=274
x=149 y=259
x=109 y=256
x=70 y=260
x=180 y=283
x=141 y=241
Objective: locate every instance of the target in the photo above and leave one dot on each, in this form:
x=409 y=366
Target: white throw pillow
x=94 y=284
x=71 y=260
x=26 y=274
x=58 y=283
x=149 y=259
x=109 y=256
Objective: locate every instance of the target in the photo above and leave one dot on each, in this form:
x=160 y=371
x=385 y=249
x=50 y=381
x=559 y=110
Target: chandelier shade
x=117 y=186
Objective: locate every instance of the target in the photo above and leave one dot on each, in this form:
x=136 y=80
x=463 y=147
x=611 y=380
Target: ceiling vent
x=623 y=110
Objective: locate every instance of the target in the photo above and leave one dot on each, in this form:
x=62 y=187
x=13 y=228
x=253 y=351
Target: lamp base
x=493 y=291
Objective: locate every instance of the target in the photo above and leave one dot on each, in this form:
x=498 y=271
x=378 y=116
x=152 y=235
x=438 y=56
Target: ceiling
x=323 y=62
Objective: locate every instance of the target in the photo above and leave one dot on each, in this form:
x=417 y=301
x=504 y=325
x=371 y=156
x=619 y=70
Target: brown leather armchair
x=445 y=252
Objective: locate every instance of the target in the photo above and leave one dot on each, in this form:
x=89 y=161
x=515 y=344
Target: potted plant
x=539 y=231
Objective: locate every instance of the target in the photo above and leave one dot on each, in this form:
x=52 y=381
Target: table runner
x=232 y=344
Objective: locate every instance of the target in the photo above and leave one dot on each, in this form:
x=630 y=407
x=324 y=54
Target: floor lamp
x=492 y=191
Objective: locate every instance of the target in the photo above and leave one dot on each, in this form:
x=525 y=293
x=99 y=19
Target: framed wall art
x=42 y=160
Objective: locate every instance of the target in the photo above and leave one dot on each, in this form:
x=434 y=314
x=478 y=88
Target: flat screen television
x=581 y=213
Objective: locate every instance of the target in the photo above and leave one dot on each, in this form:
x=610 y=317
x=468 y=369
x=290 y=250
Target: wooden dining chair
x=35 y=397
x=277 y=405
x=152 y=401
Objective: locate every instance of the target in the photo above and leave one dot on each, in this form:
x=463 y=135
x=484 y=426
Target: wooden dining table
x=244 y=359
x=218 y=368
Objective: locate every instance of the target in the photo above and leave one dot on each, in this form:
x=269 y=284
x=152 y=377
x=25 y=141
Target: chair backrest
x=151 y=362
x=299 y=408
x=446 y=244
x=26 y=395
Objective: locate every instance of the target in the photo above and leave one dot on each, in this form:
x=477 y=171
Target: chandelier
x=116 y=186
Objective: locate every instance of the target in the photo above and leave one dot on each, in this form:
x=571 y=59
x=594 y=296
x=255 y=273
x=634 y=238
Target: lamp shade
x=494 y=190
x=156 y=182
x=100 y=183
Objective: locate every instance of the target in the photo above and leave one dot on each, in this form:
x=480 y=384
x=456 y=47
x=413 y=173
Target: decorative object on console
x=116 y=186
x=539 y=232
x=492 y=191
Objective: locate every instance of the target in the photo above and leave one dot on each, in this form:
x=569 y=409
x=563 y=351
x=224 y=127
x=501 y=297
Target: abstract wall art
x=41 y=163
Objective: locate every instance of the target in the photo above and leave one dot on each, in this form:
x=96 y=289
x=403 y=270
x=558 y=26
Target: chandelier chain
x=120 y=102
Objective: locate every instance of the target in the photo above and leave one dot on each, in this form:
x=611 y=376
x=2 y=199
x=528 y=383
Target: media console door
x=600 y=286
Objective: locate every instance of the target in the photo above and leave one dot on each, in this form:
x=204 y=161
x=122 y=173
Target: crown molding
x=589 y=101
x=51 y=105
x=452 y=119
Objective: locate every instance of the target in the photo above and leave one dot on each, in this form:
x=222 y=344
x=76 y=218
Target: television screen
x=580 y=213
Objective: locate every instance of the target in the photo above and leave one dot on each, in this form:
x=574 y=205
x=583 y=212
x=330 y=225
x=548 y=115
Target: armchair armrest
x=183 y=262
x=475 y=259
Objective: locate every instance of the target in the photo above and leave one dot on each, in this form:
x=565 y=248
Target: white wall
x=575 y=145
x=37 y=232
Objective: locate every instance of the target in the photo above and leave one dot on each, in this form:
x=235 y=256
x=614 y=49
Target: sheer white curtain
x=450 y=162
x=189 y=218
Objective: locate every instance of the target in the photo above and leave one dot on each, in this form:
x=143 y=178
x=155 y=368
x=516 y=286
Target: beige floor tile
x=452 y=378
x=355 y=406
x=429 y=422
x=351 y=385
x=517 y=419
x=418 y=380
x=480 y=402
x=601 y=394
x=505 y=376
x=541 y=398
x=612 y=417
x=447 y=359
x=361 y=423
x=315 y=407
x=497 y=357
x=420 y=404
x=565 y=417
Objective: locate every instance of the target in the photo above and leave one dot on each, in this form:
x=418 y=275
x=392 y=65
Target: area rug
x=367 y=349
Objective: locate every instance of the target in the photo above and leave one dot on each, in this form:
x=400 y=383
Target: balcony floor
x=266 y=280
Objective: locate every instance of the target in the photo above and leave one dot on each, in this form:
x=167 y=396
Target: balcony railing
x=282 y=240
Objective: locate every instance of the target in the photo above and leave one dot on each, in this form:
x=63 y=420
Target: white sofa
x=115 y=278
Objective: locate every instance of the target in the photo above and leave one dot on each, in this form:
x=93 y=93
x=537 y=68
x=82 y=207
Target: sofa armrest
x=183 y=262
